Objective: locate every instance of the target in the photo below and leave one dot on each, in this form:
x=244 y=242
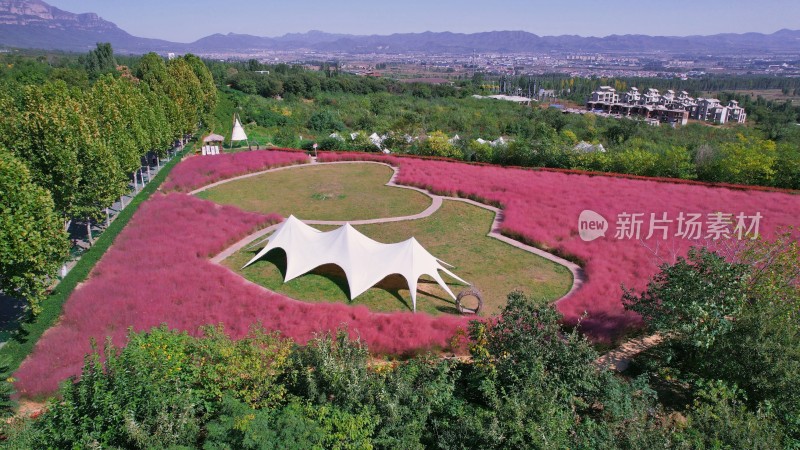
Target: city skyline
x=184 y=21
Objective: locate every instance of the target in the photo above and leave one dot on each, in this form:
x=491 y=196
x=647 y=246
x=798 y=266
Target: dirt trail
x=619 y=358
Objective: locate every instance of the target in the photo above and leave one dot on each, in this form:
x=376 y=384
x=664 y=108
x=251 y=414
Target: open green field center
x=322 y=192
x=456 y=234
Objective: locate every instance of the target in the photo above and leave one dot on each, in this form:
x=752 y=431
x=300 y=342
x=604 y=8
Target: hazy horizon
x=184 y=21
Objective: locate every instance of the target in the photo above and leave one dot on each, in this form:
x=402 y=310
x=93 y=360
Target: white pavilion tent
x=365 y=262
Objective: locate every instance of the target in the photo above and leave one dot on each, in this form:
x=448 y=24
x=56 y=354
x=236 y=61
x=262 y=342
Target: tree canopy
x=32 y=239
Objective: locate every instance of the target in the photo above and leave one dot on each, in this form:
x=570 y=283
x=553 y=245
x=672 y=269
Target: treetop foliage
x=285 y=102
x=81 y=130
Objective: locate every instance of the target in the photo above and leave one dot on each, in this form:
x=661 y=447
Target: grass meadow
x=329 y=192
x=456 y=233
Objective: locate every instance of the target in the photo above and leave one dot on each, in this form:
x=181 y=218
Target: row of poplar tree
x=68 y=152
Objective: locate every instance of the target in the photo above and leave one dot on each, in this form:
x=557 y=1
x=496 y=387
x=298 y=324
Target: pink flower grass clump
x=158 y=272
x=199 y=171
x=542 y=208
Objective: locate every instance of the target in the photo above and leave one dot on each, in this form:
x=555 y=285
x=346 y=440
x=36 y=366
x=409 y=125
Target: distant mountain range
x=35 y=24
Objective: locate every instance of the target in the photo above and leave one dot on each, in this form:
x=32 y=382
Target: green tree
x=787 y=166
x=733 y=321
x=635 y=161
x=325 y=121
x=438 y=144
x=186 y=91
x=675 y=162
x=247 y=369
x=531 y=384
x=45 y=138
x=99 y=61
x=56 y=132
x=102 y=180
x=155 y=110
x=745 y=161
x=207 y=86
x=297 y=425
x=720 y=419
x=33 y=243
x=152 y=70
x=482 y=152
x=695 y=298
x=120 y=119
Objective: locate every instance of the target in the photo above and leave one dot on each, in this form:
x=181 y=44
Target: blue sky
x=188 y=20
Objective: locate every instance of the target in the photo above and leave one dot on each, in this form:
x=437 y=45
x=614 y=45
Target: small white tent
x=238 y=134
x=365 y=262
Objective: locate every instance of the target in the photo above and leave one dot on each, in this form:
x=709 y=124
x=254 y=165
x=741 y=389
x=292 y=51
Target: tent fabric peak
x=238 y=133
x=364 y=261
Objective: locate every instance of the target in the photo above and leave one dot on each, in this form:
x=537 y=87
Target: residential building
x=664 y=108
x=605 y=94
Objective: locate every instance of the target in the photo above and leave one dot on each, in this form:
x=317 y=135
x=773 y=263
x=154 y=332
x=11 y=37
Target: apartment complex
x=668 y=107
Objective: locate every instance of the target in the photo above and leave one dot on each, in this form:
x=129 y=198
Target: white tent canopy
x=238 y=133
x=365 y=262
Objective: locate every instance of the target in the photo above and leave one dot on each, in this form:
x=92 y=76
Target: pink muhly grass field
x=543 y=207
x=158 y=272
x=199 y=171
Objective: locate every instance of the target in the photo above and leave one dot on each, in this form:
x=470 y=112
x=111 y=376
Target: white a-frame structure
x=365 y=262
x=238 y=133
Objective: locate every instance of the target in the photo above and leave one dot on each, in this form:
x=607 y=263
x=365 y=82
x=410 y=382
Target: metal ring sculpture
x=471 y=291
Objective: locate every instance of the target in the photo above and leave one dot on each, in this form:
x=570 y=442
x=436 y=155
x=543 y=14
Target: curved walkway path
x=617 y=359
x=578 y=275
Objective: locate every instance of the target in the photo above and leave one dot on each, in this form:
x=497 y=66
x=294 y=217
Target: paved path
x=578 y=275
x=617 y=359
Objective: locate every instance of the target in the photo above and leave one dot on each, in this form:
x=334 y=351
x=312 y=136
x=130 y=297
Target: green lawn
x=456 y=234
x=325 y=192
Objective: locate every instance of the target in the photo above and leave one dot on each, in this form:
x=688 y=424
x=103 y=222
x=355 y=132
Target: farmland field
x=767 y=94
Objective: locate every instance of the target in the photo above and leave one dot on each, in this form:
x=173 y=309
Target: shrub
x=719 y=419
x=134 y=400
x=246 y=369
x=331 y=143
x=325 y=121
x=297 y=425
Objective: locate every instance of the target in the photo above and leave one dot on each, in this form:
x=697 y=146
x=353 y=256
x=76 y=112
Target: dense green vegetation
x=15 y=350
x=733 y=338
x=529 y=386
x=79 y=128
x=294 y=107
x=76 y=130
x=724 y=376
x=729 y=382
x=32 y=239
